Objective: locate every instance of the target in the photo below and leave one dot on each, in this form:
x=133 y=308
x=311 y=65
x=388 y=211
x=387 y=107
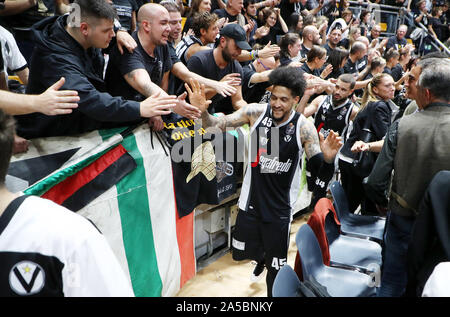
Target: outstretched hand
x=54 y=101
x=186 y=110
x=269 y=50
x=330 y=146
x=157 y=105
x=197 y=95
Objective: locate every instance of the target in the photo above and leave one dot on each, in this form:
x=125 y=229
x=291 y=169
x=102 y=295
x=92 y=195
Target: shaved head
x=149 y=11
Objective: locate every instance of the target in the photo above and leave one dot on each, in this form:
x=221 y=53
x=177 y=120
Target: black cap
x=237 y=33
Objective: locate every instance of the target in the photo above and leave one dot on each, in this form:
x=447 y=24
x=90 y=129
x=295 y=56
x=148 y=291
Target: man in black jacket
x=69 y=48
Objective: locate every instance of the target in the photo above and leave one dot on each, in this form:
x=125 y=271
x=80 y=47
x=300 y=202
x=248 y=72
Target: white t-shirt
x=12 y=57
x=48 y=250
x=438 y=284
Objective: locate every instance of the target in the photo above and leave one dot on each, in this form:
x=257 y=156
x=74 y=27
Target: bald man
x=143 y=72
x=310 y=36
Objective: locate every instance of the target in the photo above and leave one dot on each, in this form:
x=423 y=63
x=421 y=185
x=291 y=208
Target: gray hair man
x=424 y=136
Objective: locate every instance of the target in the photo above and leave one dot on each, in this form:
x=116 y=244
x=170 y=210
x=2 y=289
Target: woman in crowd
x=354 y=33
x=270 y=30
x=295 y=23
x=400 y=69
x=337 y=58
x=290 y=46
x=316 y=58
x=391 y=57
x=366 y=22
x=197 y=6
x=375 y=116
x=376 y=67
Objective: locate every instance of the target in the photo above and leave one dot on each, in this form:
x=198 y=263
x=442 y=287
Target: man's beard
x=226 y=56
x=338 y=102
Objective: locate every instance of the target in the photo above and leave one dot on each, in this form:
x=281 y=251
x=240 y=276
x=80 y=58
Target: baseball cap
x=237 y=33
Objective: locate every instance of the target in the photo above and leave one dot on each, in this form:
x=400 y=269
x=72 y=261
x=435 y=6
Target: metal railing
x=381 y=13
x=393 y=17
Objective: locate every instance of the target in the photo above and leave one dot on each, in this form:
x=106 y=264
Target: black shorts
x=256 y=240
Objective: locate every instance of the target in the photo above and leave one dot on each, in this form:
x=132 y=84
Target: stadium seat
x=364 y=255
x=371 y=227
x=338 y=282
x=286 y=283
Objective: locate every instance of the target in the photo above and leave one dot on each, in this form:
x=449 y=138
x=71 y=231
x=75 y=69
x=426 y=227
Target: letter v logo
x=26 y=278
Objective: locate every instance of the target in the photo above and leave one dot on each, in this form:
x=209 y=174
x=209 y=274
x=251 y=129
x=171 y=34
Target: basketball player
x=278 y=135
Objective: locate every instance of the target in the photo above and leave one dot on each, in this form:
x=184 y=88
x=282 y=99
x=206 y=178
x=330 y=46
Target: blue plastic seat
x=338 y=282
x=371 y=227
x=286 y=283
x=364 y=255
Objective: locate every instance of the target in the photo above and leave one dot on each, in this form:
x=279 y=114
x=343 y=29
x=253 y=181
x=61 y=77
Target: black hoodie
x=58 y=55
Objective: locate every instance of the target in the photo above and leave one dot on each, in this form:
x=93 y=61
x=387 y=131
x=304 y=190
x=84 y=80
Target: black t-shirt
x=396 y=43
x=328 y=48
x=222 y=13
x=438 y=28
x=174 y=82
x=203 y=63
x=308 y=70
x=387 y=70
x=397 y=72
x=287 y=8
x=272 y=36
x=252 y=92
x=125 y=9
x=357 y=67
x=120 y=65
x=304 y=51
x=29 y=17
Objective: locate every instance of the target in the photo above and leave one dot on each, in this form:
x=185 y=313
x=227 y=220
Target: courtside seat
x=338 y=282
x=286 y=283
x=371 y=227
x=364 y=255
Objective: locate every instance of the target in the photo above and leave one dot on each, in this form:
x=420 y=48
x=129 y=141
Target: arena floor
x=228 y=278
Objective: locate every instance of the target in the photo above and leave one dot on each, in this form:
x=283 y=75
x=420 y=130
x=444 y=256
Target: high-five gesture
x=197 y=95
x=330 y=146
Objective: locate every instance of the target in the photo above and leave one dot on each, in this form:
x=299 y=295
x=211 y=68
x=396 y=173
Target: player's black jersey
x=333 y=118
x=272 y=181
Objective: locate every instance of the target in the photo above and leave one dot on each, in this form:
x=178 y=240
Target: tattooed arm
x=312 y=144
x=320 y=156
x=140 y=80
x=245 y=115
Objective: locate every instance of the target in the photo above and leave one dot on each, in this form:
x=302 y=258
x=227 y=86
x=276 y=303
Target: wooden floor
x=228 y=278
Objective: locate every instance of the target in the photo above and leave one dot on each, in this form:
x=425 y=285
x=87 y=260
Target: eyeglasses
x=325 y=58
x=264 y=66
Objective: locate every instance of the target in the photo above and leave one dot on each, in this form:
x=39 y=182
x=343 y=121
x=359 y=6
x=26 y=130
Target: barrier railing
x=382 y=14
x=391 y=17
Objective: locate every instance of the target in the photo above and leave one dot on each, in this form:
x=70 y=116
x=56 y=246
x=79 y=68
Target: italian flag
x=124 y=185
